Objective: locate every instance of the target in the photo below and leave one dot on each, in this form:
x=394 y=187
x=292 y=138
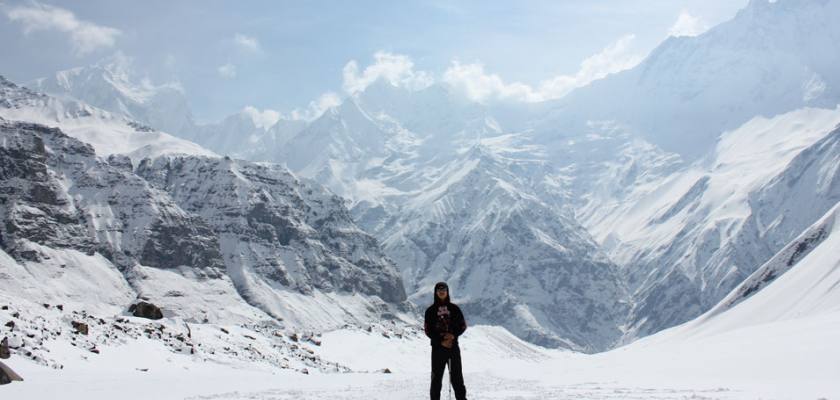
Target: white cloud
x=687 y=25
x=85 y=36
x=248 y=43
x=267 y=118
x=262 y=119
x=476 y=84
x=317 y=107
x=227 y=71
x=397 y=69
x=614 y=58
x=170 y=61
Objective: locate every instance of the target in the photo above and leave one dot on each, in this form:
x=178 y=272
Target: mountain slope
x=773 y=57
x=694 y=236
x=287 y=244
x=108 y=133
x=113 y=85
x=511 y=258
x=65 y=207
x=456 y=198
x=89 y=231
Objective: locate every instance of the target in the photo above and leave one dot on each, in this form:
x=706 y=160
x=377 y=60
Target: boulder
x=4 y=349
x=7 y=375
x=80 y=327
x=145 y=310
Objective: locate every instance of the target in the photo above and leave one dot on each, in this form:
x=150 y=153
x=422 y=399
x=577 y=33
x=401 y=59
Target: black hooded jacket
x=441 y=318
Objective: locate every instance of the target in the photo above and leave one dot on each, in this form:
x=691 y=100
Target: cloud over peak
x=85 y=37
x=687 y=25
x=478 y=85
x=397 y=69
x=262 y=119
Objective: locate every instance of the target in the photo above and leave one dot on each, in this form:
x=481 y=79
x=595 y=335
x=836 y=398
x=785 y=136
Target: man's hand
x=448 y=340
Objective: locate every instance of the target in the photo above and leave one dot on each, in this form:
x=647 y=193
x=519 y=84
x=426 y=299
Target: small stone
x=386 y=371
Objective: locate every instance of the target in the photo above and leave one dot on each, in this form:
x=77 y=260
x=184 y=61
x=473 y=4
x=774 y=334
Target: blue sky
x=283 y=55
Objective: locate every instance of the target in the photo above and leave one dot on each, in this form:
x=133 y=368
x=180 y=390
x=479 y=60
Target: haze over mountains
x=631 y=205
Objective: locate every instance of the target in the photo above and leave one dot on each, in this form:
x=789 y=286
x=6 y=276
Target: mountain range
x=631 y=205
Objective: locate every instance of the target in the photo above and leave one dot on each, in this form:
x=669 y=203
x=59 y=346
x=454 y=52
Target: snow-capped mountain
x=206 y=237
x=695 y=235
x=800 y=282
x=811 y=274
x=511 y=258
x=287 y=244
x=113 y=85
x=772 y=57
x=454 y=197
x=108 y=133
x=86 y=230
x=687 y=228
x=674 y=180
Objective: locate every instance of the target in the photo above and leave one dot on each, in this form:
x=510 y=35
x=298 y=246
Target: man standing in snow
x=444 y=322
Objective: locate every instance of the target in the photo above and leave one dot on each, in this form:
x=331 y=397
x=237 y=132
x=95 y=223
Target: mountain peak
x=113 y=85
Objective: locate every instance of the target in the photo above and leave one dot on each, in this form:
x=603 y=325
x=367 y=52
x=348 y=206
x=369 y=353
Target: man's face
x=442 y=292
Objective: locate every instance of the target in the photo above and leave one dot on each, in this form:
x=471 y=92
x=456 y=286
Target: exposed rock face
x=488 y=216
x=106 y=209
x=287 y=232
x=246 y=233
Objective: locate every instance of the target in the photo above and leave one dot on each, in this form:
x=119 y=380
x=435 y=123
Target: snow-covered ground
x=774 y=337
x=796 y=359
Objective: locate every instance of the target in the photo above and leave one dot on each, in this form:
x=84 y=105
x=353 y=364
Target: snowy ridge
x=796 y=289
x=701 y=231
x=113 y=85
x=99 y=235
x=821 y=296
x=108 y=133
x=773 y=57
x=102 y=236
x=457 y=199
x=675 y=196
x=289 y=245
x=509 y=257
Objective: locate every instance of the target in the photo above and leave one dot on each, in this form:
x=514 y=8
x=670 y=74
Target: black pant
x=440 y=356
